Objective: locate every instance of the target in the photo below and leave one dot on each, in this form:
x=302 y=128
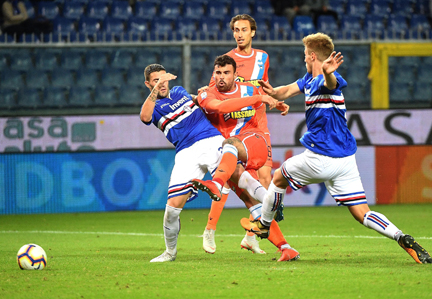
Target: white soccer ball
x=31 y=257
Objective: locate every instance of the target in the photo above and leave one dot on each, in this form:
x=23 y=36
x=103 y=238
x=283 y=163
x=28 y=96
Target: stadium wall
x=87 y=164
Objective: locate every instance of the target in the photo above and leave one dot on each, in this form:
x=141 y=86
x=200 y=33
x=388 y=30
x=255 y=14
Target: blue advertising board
x=87 y=182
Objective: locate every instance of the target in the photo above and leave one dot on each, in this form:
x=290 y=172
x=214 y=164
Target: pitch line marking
x=161 y=235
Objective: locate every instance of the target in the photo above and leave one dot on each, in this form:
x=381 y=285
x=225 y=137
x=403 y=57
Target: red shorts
x=257 y=149
x=269 y=161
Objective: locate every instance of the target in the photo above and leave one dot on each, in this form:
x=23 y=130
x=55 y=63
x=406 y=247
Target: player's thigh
x=256 y=148
x=179 y=201
x=211 y=149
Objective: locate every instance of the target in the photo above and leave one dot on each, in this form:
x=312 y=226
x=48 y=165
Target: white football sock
x=272 y=200
x=252 y=186
x=171 y=225
x=381 y=224
x=256 y=211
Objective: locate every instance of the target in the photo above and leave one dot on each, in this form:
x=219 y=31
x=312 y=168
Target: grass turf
x=106 y=255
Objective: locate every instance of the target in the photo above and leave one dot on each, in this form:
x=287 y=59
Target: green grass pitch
x=106 y=255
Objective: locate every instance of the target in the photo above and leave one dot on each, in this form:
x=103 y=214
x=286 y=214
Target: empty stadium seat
x=71 y=60
x=327 y=24
x=21 y=60
x=357 y=75
x=208 y=24
x=380 y=8
x=121 y=10
x=162 y=29
x=420 y=27
x=105 y=96
x=11 y=79
x=424 y=73
x=280 y=26
x=373 y=26
x=355 y=95
x=121 y=59
x=8 y=98
x=130 y=95
x=240 y=7
x=170 y=10
x=402 y=7
x=63 y=78
x=46 y=60
x=400 y=92
x=361 y=56
x=88 y=26
x=87 y=77
x=49 y=10
x=135 y=76
x=144 y=58
x=337 y=6
x=80 y=96
x=97 y=10
x=73 y=10
x=54 y=97
x=193 y=10
x=217 y=10
x=185 y=25
x=303 y=25
x=351 y=27
x=136 y=28
x=145 y=9
x=422 y=93
x=64 y=28
x=422 y=7
x=112 y=77
x=113 y=28
x=356 y=8
x=402 y=74
x=36 y=78
x=29 y=98
x=263 y=8
x=397 y=27
x=171 y=57
x=96 y=59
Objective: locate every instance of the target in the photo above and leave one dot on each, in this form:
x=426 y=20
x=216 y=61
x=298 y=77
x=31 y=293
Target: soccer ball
x=31 y=257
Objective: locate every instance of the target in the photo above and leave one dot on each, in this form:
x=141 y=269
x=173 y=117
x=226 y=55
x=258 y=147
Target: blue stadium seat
x=105 y=96
x=64 y=28
x=422 y=92
x=402 y=7
x=49 y=10
x=410 y=61
x=89 y=26
x=193 y=10
x=63 y=78
x=240 y=7
x=73 y=10
x=87 y=77
x=21 y=60
x=397 y=27
x=121 y=59
x=279 y=25
x=327 y=24
x=263 y=31
x=130 y=95
x=373 y=26
x=113 y=28
x=355 y=94
x=4 y=61
x=96 y=59
x=263 y=8
x=361 y=56
x=112 y=77
x=161 y=29
x=121 y=10
x=29 y=98
x=337 y=6
x=400 y=92
x=380 y=8
x=11 y=79
x=97 y=10
x=54 y=97
x=303 y=25
x=146 y=10
x=135 y=76
x=171 y=57
x=71 y=60
x=185 y=25
x=136 y=29
x=208 y=24
x=46 y=60
x=356 y=8
x=217 y=10
x=8 y=98
x=427 y=61
x=422 y=7
x=80 y=96
x=170 y=10
x=144 y=58
x=36 y=79
x=424 y=72
x=402 y=74
x=420 y=27
x=357 y=75
x=351 y=27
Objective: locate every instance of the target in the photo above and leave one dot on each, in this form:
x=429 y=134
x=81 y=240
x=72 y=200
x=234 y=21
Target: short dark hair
x=223 y=60
x=152 y=68
x=244 y=17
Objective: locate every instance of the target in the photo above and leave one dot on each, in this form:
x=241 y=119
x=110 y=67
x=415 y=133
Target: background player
x=252 y=65
x=231 y=107
x=330 y=148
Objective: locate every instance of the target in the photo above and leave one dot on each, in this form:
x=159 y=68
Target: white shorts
x=193 y=163
x=340 y=175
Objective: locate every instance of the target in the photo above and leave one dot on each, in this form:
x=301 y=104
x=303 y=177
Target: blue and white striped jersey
x=181 y=120
x=327 y=131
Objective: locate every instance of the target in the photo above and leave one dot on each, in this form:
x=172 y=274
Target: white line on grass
x=161 y=235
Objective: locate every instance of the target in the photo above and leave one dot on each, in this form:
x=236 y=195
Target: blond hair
x=319 y=43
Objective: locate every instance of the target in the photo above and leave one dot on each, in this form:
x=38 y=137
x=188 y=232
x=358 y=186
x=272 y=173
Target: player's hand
x=163 y=79
x=266 y=99
x=202 y=89
x=281 y=106
x=332 y=63
x=268 y=89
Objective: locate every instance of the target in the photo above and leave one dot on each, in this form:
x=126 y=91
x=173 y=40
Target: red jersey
x=251 y=68
x=234 y=123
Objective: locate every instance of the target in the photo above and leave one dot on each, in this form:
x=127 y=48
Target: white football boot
x=164 y=257
x=251 y=245
x=209 y=244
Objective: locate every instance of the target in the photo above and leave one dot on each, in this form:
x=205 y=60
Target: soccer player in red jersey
x=232 y=108
x=252 y=65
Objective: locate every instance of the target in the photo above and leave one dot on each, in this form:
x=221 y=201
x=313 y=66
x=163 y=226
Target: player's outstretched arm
x=284 y=108
x=282 y=92
x=330 y=65
x=230 y=105
x=148 y=107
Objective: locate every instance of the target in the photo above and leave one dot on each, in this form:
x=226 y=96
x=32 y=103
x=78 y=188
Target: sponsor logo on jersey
x=253 y=82
x=242 y=114
x=179 y=103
